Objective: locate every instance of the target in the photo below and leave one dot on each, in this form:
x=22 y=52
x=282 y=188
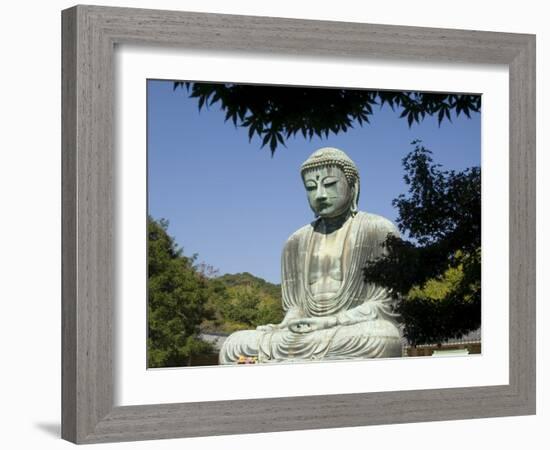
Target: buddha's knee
x=384 y=329
x=369 y=339
x=373 y=328
x=239 y=344
x=387 y=336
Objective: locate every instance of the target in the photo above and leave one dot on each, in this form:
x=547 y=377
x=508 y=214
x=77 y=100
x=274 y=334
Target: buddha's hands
x=269 y=327
x=275 y=326
x=309 y=324
x=291 y=315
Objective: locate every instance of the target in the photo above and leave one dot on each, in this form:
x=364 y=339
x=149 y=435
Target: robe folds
x=366 y=324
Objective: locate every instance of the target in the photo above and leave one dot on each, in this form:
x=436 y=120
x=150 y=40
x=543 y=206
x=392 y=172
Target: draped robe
x=366 y=324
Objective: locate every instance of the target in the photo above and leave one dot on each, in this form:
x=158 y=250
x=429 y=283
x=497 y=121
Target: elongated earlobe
x=355 y=198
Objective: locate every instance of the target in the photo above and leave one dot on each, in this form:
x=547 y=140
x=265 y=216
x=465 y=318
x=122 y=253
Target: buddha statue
x=331 y=312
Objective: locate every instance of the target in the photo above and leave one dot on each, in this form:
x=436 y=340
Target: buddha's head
x=331 y=180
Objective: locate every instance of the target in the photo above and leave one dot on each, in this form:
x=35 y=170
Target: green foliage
x=186 y=298
x=245 y=302
x=247 y=279
x=437 y=275
x=177 y=301
x=437 y=289
x=444 y=307
x=275 y=113
x=243 y=306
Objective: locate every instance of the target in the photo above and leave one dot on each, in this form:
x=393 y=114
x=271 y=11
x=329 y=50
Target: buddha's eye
x=330 y=182
x=311 y=186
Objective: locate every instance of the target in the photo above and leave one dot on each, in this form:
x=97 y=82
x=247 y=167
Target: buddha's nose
x=321 y=194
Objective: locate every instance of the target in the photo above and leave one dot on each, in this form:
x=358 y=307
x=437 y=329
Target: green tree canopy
x=436 y=274
x=244 y=301
x=177 y=301
x=275 y=113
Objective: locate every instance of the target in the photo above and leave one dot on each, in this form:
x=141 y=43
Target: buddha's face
x=328 y=191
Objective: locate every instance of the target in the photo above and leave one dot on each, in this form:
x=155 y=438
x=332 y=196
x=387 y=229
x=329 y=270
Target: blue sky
x=233 y=204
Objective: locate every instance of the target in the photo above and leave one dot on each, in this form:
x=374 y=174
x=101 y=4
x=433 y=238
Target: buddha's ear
x=355 y=197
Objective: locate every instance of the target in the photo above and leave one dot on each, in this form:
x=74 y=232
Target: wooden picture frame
x=89 y=35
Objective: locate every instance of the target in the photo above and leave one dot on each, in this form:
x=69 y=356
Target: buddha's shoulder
x=374 y=222
x=300 y=233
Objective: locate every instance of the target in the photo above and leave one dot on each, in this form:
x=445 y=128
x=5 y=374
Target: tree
x=177 y=301
x=275 y=113
x=242 y=308
x=244 y=301
x=437 y=274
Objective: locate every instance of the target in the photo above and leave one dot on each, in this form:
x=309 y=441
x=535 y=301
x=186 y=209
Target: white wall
x=30 y=225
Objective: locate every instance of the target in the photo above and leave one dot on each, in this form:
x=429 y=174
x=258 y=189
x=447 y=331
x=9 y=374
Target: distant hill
x=242 y=301
x=247 y=279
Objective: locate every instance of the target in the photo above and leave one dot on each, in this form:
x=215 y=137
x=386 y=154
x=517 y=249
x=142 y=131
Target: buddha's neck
x=329 y=224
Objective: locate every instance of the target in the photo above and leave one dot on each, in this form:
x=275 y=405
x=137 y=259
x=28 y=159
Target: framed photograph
x=199 y=148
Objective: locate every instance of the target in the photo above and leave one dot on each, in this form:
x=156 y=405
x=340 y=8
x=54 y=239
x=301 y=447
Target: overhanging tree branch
x=276 y=113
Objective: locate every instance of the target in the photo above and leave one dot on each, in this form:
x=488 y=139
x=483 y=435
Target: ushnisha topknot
x=330 y=156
